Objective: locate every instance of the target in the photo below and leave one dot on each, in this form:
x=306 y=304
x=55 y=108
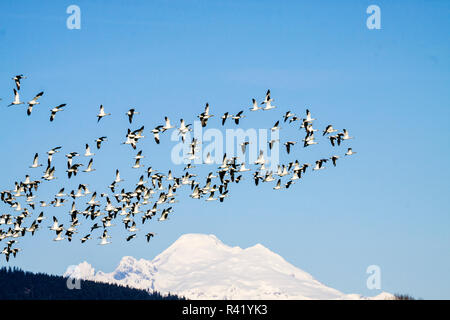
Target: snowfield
x=199 y=266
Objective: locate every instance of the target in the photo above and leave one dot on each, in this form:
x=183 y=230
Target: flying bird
x=288 y=145
x=149 y=235
x=34 y=102
x=255 y=106
x=17 y=80
x=99 y=141
x=130 y=114
x=102 y=113
x=35 y=162
x=16 y=100
x=55 y=110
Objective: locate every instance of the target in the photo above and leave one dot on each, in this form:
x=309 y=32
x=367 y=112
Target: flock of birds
x=154 y=191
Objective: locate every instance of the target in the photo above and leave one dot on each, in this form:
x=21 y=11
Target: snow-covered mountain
x=200 y=266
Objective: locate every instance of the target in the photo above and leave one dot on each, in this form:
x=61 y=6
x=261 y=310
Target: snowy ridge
x=200 y=266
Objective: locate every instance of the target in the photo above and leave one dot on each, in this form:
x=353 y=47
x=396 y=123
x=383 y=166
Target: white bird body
x=269 y=106
x=255 y=106
x=88 y=152
x=16 y=100
x=89 y=167
x=346 y=136
x=34 y=102
x=278 y=186
x=102 y=113
x=35 y=162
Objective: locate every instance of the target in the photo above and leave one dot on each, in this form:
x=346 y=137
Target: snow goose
x=309 y=140
x=329 y=129
x=104 y=238
x=88 y=152
x=272 y=142
x=288 y=145
x=85 y=238
x=164 y=214
x=244 y=146
x=16 y=99
x=349 y=152
x=155 y=132
x=130 y=113
x=242 y=168
x=34 y=102
x=167 y=124
x=332 y=140
x=118 y=179
x=211 y=197
x=287 y=115
x=133 y=227
x=60 y=193
x=223 y=195
x=35 y=162
x=345 y=136
x=255 y=106
x=208 y=159
x=275 y=126
x=102 y=113
x=334 y=159
x=131 y=237
x=55 y=225
x=269 y=106
x=150 y=235
x=56 y=110
x=99 y=141
x=238 y=116
x=296 y=175
x=308 y=116
x=278 y=186
x=89 y=167
x=204 y=116
x=268 y=177
x=59 y=236
x=319 y=164
x=225 y=116
x=137 y=164
x=92 y=201
x=139 y=155
x=17 y=79
x=267 y=97
x=260 y=159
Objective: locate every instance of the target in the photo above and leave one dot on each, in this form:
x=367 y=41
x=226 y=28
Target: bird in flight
x=130 y=114
x=34 y=102
x=16 y=100
x=56 y=110
x=102 y=113
x=17 y=80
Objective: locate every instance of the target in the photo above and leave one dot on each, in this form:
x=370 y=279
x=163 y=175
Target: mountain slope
x=200 y=266
x=16 y=284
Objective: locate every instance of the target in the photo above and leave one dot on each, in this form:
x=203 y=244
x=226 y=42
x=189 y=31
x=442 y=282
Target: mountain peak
x=200 y=266
x=81 y=271
x=127 y=260
x=198 y=239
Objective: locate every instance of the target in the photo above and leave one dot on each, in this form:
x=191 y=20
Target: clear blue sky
x=387 y=206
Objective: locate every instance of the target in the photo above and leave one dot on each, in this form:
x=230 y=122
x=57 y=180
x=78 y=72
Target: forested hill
x=16 y=284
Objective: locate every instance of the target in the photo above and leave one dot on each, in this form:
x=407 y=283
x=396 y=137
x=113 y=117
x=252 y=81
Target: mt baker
x=199 y=266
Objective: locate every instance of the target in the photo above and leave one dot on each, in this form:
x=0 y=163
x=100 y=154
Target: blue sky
x=388 y=205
